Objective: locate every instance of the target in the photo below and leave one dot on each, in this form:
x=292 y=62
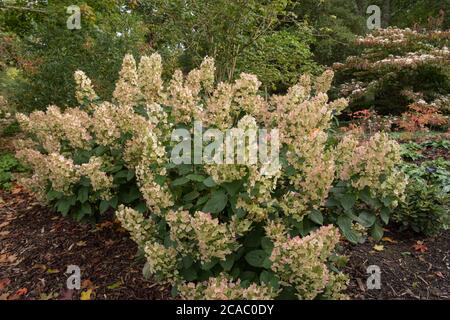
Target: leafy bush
x=425 y=209
x=215 y=230
x=8 y=166
x=397 y=68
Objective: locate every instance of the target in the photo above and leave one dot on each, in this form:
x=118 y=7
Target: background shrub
x=426 y=208
x=397 y=67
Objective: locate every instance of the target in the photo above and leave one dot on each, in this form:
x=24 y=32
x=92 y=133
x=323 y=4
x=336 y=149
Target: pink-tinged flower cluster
x=301 y=262
x=127 y=91
x=84 y=90
x=372 y=164
x=141 y=229
x=53 y=127
x=162 y=262
x=200 y=236
x=223 y=287
x=99 y=180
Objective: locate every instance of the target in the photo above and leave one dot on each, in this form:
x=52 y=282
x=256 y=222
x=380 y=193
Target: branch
x=22 y=9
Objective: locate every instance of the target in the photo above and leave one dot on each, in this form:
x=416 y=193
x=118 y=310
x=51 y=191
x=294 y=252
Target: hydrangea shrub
x=216 y=231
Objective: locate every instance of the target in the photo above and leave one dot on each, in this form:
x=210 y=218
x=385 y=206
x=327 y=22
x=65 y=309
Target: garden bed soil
x=37 y=246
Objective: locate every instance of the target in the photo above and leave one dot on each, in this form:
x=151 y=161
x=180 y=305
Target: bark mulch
x=37 y=245
x=412 y=267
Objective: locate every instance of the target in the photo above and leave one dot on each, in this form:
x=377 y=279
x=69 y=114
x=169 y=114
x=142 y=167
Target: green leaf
x=53 y=195
x=202 y=200
x=130 y=195
x=114 y=201
x=248 y=276
x=232 y=187
x=63 y=205
x=174 y=291
x=195 y=177
x=316 y=216
x=209 y=182
x=187 y=262
x=377 y=232
x=267 y=264
x=121 y=174
x=228 y=263
x=385 y=215
x=264 y=277
x=267 y=245
x=180 y=181
x=216 y=203
x=83 y=194
x=104 y=205
x=191 y=196
x=184 y=169
x=189 y=274
x=209 y=265
x=345 y=224
x=86 y=208
x=367 y=219
x=256 y=258
x=347 y=201
x=141 y=207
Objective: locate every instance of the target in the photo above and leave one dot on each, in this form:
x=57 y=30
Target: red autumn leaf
x=420 y=247
x=22 y=292
x=4 y=283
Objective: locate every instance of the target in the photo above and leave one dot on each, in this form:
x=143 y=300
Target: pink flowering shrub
x=397 y=67
x=217 y=231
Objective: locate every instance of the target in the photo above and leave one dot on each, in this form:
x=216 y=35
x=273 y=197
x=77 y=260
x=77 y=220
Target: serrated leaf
x=267 y=245
x=385 y=215
x=83 y=194
x=104 y=205
x=189 y=274
x=228 y=263
x=256 y=258
x=366 y=219
x=195 y=177
x=216 y=203
x=191 y=196
x=180 y=181
x=209 y=182
x=316 y=216
x=377 y=232
x=345 y=224
x=347 y=201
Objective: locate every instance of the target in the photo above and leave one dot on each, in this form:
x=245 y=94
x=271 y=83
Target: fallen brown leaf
x=8 y=258
x=388 y=239
x=81 y=243
x=22 y=292
x=4 y=283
